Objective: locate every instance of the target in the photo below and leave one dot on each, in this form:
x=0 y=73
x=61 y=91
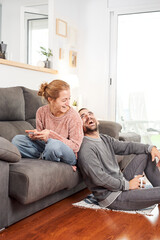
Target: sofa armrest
x=130 y=137
x=110 y=128
x=4 y=182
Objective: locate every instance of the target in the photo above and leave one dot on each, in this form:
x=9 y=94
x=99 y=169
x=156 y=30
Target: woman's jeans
x=139 y=198
x=52 y=150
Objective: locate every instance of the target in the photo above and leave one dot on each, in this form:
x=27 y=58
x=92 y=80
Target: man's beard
x=89 y=130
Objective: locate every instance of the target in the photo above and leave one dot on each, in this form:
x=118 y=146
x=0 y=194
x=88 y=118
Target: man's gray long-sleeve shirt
x=100 y=169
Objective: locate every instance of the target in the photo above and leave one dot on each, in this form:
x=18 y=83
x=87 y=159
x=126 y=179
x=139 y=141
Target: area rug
x=90 y=202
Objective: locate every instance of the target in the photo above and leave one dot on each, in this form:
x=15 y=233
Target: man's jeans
x=139 y=198
x=52 y=150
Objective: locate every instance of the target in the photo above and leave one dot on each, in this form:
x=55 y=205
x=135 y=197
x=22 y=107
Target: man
x=111 y=187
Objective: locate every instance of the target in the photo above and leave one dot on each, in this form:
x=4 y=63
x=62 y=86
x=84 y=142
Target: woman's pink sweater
x=67 y=128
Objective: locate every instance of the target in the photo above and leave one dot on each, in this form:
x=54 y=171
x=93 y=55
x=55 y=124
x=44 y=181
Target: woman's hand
x=43 y=135
x=35 y=135
x=32 y=133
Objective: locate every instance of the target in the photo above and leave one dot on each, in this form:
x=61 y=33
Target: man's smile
x=90 y=122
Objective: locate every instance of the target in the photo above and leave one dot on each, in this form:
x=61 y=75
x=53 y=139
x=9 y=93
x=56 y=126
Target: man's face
x=89 y=121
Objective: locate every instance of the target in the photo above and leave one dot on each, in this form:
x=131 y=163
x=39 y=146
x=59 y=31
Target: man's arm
x=126 y=148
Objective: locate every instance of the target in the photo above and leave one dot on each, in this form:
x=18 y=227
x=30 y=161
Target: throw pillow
x=8 y=152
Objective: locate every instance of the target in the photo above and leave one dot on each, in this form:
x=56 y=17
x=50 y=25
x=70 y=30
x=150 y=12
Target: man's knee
x=142 y=156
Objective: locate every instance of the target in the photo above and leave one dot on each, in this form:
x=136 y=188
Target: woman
x=58 y=134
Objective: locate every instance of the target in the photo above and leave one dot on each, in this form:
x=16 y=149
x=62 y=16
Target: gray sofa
x=29 y=185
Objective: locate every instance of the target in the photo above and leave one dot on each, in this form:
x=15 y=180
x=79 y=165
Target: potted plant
x=75 y=105
x=47 y=54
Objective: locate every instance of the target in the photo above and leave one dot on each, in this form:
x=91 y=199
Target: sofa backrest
x=32 y=103
x=12 y=106
x=18 y=106
x=110 y=128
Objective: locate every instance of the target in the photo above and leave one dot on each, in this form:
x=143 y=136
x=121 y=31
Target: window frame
x=112 y=43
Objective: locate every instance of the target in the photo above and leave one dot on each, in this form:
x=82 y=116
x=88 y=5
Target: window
x=37 y=36
x=137 y=74
x=0 y=21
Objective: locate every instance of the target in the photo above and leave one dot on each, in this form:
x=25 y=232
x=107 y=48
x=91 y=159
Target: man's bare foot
x=74 y=168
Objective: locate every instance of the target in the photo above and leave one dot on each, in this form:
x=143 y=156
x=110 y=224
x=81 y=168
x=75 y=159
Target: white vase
x=47 y=64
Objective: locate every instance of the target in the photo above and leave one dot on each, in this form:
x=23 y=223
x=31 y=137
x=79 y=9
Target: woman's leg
x=56 y=150
x=27 y=147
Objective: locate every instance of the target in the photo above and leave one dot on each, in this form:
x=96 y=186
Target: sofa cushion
x=11 y=128
x=11 y=104
x=32 y=179
x=32 y=122
x=32 y=103
x=8 y=152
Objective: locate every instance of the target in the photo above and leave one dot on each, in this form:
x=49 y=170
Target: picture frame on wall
x=61 y=27
x=73 y=59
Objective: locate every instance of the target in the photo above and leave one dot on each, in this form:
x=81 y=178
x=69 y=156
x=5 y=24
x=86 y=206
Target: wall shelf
x=27 y=66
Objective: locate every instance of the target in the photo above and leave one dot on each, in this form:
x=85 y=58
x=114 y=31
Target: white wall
x=89 y=18
x=13 y=76
x=119 y=4
x=67 y=10
x=93 y=56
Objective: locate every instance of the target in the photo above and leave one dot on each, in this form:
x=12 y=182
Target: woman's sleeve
x=39 y=123
x=75 y=135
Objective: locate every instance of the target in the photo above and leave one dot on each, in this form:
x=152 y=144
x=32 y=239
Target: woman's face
x=61 y=104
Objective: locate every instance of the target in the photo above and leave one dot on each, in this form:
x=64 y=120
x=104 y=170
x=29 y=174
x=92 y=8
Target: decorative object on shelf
x=61 y=53
x=75 y=105
x=47 y=54
x=3 y=48
x=61 y=28
x=72 y=58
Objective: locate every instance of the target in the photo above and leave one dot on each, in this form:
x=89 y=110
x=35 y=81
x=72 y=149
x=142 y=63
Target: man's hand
x=135 y=183
x=155 y=153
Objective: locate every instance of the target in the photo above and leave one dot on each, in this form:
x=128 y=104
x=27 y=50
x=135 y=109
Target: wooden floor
x=62 y=221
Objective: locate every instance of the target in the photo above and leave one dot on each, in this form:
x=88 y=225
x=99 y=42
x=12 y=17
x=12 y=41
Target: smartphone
x=32 y=133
